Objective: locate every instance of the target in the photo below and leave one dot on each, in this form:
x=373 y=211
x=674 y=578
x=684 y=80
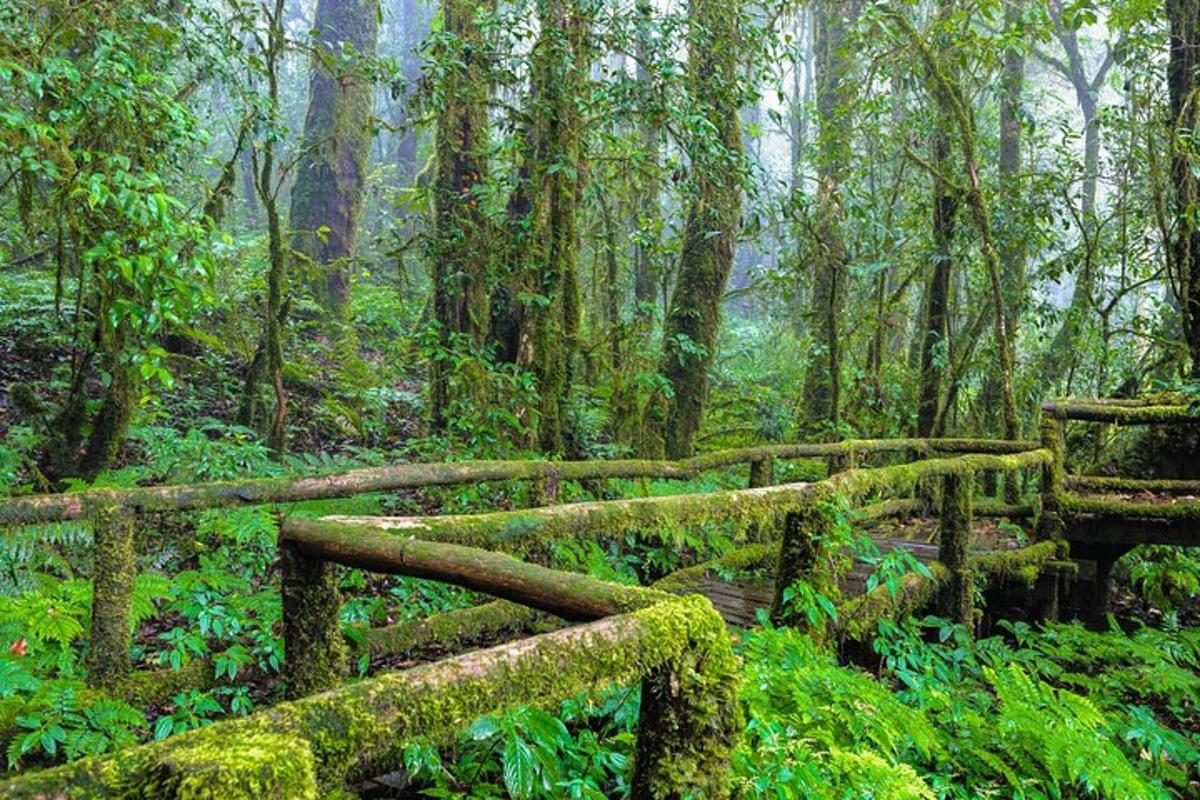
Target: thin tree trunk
x=935 y=343
x=1184 y=16
x=463 y=241
x=549 y=248
x=834 y=91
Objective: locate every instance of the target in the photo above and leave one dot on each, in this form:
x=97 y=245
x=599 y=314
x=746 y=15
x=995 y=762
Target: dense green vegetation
x=289 y=238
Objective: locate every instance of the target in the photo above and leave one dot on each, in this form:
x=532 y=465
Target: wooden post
x=956 y=599
x=762 y=473
x=1050 y=521
x=685 y=734
x=114 y=570
x=315 y=653
x=843 y=461
x=802 y=534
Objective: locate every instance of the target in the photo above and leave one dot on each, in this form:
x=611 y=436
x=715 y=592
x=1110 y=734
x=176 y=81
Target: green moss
x=1073 y=505
x=1050 y=522
x=753 y=556
x=1144 y=413
x=316 y=653
x=803 y=531
x=955 y=595
x=886 y=509
x=359 y=730
x=148 y=687
x=1091 y=483
x=114 y=571
x=1024 y=564
x=450 y=629
x=259 y=765
x=859 y=616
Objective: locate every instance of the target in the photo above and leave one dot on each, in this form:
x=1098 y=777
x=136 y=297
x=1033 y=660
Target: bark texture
x=330 y=175
x=710 y=232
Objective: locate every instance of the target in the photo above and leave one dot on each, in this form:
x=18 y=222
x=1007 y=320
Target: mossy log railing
x=676 y=646
x=513 y=530
x=117 y=515
x=1103 y=529
x=1061 y=498
x=34 y=509
x=356 y=540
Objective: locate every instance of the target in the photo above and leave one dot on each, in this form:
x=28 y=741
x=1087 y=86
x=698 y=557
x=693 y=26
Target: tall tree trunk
x=543 y=210
x=462 y=244
x=268 y=358
x=935 y=342
x=710 y=232
x=331 y=172
x=1184 y=16
x=646 y=270
x=1012 y=238
x=834 y=91
x=798 y=120
x=946 y=89
x=1087 y=90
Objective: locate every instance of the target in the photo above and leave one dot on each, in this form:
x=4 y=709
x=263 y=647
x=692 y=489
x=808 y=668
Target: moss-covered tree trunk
x=331 y=172
x=935 y=342
x=540 y=328
x=114 y=571
x=1012 y=236
x=710 y=233
x=1184 y=16
x=462 y=244
x=834 y=93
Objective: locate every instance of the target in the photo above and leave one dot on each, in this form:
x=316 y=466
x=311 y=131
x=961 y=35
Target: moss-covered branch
x=1106 y=508
x=565 y=594
x=449 y=630
x=859 y=616
x=514 y=529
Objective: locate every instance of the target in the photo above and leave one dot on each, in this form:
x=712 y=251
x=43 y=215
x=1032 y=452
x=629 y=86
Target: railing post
x=843 y=461
x=762 y=473
x=1050 y=522
x=803 y=530
x=956 y=599
x=688 y=722
x=114 y=570
x=315 y=652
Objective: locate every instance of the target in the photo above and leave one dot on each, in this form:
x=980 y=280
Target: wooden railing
x=676 y=646
x=328 y=733
x=117 y=515
x=1063 y=500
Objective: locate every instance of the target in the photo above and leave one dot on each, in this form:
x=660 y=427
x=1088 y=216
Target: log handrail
x=677 y=646
x=1120 y=414
x=61 y=507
